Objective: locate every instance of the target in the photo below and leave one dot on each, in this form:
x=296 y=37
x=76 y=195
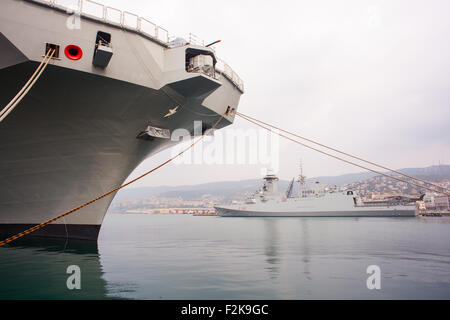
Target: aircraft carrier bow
x=114 y=90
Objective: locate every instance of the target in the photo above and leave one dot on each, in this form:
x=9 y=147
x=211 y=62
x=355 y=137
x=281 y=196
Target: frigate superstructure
x=316 y=200
x=115 y=89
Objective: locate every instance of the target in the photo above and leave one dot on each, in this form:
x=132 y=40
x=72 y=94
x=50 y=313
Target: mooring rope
x=341 y=159
x=30 y=83
x=344 y=153
x=43 y=224
x=257 y=122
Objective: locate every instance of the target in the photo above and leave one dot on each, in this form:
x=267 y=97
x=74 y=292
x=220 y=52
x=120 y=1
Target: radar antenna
x=301 y=181
x=290 y=189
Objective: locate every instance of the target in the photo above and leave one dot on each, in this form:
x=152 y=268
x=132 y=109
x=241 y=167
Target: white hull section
x=328 y=205
x=226 y=212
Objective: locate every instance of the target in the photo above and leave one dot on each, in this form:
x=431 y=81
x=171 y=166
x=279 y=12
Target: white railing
x=113 y=15
x=193 y=39
x=130 y=21
x=226 y=70
x=98 y=11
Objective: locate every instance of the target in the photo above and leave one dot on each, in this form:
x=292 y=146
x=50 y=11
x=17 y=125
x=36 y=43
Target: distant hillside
x=233 y=189
x=432 y=173
x=382 y=185
x=187 y=192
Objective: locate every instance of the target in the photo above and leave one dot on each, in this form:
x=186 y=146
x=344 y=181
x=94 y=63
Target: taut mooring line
x=339 y=158
x=43 y=224
x=30 y=83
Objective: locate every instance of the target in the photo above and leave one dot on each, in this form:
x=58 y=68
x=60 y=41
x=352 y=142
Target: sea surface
x=190 y=257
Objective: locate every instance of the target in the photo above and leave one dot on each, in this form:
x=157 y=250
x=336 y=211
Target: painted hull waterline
x=224 y=212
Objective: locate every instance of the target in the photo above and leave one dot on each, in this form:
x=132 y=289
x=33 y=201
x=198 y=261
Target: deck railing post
x=193 y=39
x=138 y=24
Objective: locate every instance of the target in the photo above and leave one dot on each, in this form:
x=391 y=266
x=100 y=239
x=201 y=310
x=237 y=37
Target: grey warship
x=114 y=90
x=317 y=200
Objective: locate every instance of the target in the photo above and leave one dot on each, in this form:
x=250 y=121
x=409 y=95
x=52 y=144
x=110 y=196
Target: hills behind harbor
x=223 y=191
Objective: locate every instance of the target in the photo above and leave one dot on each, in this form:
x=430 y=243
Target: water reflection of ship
x=271 y=247
x=36 y=268
x=305 y=249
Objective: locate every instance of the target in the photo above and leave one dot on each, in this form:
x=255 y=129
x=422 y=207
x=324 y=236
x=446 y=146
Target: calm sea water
x=189 y=257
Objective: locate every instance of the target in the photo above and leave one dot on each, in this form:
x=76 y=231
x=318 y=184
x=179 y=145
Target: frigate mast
x=301 y=182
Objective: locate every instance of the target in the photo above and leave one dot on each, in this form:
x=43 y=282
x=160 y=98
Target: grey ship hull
x=336 y=204
x=226 y=212
x=74 y=136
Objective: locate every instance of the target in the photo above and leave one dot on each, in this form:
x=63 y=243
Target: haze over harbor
x=110 y=89
x=368 y=77
x=221 y=192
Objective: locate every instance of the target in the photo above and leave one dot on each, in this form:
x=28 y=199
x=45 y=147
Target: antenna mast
x=301 y=181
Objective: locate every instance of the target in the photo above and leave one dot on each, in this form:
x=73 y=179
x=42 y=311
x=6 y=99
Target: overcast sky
x=370 y=77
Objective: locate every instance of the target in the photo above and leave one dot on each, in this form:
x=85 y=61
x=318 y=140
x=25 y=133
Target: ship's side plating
x=319 y=202
x=229 y=212
x=74 y=135
x=330 y=205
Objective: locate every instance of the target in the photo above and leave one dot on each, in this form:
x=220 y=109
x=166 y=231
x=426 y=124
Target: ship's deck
x=132 y=23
